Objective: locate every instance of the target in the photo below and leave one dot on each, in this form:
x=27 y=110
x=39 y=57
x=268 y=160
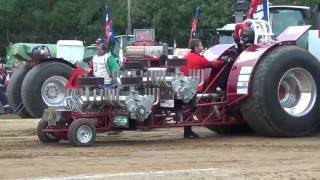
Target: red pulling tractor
x=267 y=83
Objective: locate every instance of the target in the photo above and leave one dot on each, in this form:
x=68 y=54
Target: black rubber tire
x=44 y=137
x=32 y=84
x=73 y=129
x=14 y=90
x=231 y=129
x=262 y=109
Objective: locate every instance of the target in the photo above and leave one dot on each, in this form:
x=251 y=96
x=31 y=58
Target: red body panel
x=216 y=51
x=75 y=74
x=293 y=33
x=249 y=58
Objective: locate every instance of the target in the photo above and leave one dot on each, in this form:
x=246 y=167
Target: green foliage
x=40 y=21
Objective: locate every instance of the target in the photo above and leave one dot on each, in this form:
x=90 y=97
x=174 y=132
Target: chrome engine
x=138 y=106
x=136 y=96
x=184 y=87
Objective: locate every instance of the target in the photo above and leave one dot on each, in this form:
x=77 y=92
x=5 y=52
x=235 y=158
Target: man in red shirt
x=196 y=61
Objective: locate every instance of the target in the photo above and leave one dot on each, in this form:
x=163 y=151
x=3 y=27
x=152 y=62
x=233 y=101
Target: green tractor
x=40 y=72
x=224 y=34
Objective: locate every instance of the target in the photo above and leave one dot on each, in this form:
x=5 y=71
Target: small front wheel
x=43 y=136
x=82 y=133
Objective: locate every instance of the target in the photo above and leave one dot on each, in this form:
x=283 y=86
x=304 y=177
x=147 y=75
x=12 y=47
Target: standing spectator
x=3 y=80
x=196 y=61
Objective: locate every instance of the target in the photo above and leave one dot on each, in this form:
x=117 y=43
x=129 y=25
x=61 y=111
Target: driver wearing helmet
x=104 y=64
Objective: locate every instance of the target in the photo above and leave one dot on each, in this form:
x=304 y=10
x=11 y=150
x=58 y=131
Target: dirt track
x=160 y=154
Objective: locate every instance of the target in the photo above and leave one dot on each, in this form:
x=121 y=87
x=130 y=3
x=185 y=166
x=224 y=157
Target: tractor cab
x=283 y=16
x=122 y=41
x=224 y=34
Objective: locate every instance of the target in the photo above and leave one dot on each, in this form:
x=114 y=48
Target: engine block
x=184 y=87
x=135 y=91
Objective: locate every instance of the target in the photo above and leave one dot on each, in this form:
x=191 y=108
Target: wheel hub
x=84 y=134
x=297 y=92
x=53 y=90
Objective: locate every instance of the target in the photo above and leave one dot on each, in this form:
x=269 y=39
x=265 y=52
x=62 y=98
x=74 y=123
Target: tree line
x=47 y=21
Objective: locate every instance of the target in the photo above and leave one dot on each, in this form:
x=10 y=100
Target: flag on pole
x=109 y=33
x=259 y=10
x=194 y=24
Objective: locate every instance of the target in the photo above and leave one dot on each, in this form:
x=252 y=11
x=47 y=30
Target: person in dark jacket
x=3 y=97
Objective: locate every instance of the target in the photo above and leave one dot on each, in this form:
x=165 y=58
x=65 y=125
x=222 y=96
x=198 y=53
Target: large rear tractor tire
x=14 y=91
x=44 y=86
x=285 y=94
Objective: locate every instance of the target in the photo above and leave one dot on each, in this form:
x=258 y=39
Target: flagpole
x=194 y=25
x=129 y=26
x=109 y=32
